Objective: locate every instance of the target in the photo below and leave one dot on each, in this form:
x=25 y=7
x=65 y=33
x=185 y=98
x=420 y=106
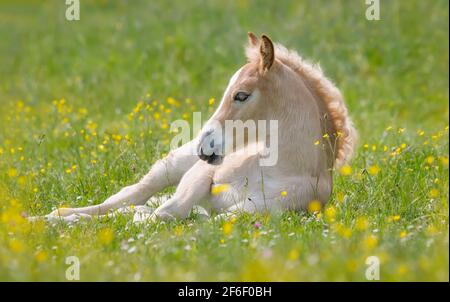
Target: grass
x=85 y=111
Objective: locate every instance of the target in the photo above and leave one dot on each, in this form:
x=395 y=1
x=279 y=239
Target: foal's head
x=249 y=96
x=277 y=84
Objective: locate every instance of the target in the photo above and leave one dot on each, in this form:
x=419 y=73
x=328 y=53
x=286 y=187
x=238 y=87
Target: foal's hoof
x=61 y=212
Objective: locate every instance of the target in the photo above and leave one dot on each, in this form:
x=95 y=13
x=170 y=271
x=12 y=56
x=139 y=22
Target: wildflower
x=362 y=223
x=317 y=142
x=340 y=197
x=40 y=256
x=12 y=172
x=314 y=206
x=351 y=265
x=394 y=218
x=420 y=132
x=444 y=161
x=16 y=246
x=402 y=234
x=373 y=170
x=211 y=101
x=345 y=170
x=227 y=228
x=434 y=193
x=173 y=102
x=217 y=189
x=432 y=230
x=283 y=194
x=325 y=135
x=257 y=225
x=178 y=230
x=21 y=180
x=330 y=213
x=429 y=160
x=370 y=241
x=402 y=269
x=105 y=236
x=293 y=254
x=342 y=230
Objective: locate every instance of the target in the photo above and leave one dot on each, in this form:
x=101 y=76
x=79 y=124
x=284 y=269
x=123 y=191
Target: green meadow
x=86 y=108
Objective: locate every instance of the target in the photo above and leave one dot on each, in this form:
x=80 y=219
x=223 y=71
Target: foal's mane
x=343 y=134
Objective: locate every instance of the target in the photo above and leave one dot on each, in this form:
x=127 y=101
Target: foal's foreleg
x=165 y=172
x=194 y=187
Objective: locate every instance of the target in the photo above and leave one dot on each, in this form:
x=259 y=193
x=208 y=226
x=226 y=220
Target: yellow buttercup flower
x=40 y=256
x=314 y=206
x=373 y=170
x=345 y=170
x=227 y=228
x=370 y=241
x=293 y=254
x=362 y=223
x=217 y=189
x=105 y=236
x=434 y=193
x=429 y=160
x=394 y=218
x=283 y=193
x=16 y=246
x=12 y=172
x=340 y=197
x=330 y=213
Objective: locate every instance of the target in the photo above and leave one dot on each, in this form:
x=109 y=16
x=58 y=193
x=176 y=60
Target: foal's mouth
x=208 y=151
x=212 y=159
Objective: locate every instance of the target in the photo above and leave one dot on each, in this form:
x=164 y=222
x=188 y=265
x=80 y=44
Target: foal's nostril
x=211 y=144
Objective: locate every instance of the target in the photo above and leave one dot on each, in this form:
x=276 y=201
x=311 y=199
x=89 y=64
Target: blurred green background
x=392 y=69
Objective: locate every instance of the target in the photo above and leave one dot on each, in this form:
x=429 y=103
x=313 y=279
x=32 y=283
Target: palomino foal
x=315 y=134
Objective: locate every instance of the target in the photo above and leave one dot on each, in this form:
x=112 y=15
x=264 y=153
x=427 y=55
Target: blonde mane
x=342 y=132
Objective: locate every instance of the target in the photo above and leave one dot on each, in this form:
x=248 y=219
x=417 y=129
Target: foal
x=315 y=134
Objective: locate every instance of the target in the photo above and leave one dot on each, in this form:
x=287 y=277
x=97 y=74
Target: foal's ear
x=267 y=53
x=252 y=39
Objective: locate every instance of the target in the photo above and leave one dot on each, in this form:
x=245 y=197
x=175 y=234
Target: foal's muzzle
x=210 y=147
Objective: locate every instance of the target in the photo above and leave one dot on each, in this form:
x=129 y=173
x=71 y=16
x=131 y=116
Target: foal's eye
x=241 y=96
